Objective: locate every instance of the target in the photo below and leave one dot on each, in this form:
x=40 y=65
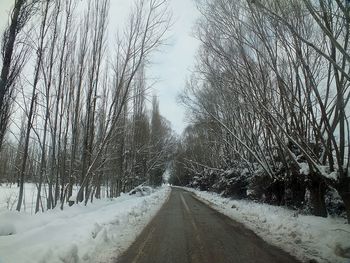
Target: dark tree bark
x=317 y=196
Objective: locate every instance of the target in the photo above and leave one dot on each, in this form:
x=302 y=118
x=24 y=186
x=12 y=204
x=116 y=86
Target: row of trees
x=84 y=120
x=269 y=102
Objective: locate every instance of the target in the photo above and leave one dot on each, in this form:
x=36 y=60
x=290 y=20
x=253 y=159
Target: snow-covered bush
x=233 y=182
x=141 y=191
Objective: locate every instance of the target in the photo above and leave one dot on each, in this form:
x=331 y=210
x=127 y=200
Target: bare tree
x=32 y=102
x=148 y=24
x=261 y=79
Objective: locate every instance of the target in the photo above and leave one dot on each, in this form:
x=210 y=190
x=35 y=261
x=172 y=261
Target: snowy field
x=98 y=232
x=9 y=196
x=306 y=237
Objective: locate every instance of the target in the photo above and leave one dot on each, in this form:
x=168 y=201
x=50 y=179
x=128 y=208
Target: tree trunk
x=31 y=109
x=343 y=188
x=346 y=200
x=42 y=164
x=317 y=197
x=25 y=152
x=297 y=191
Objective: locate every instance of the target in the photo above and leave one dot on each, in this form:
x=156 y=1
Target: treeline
x=83 y=102
x=268 y=102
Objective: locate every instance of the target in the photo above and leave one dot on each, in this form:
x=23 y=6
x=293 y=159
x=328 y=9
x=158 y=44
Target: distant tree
x=162 y=145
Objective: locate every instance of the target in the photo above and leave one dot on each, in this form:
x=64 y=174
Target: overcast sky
x=171 y=66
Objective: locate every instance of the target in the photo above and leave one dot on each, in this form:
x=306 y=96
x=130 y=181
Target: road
x=187 y=230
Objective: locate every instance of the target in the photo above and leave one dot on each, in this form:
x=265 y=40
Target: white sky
x=171 y=66
x=5 y=6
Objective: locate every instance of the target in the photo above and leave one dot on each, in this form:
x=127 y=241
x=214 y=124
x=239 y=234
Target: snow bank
x=94 y=233
x=306 y=237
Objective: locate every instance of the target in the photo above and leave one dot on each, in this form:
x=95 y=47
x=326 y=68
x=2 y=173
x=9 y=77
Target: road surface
x=187 y=230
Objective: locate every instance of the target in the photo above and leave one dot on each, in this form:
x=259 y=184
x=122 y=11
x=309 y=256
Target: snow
x=304 y=168
x=9 y=196
x=304 y=236
x=324 y=170
x=98 y=232
x=332 y=175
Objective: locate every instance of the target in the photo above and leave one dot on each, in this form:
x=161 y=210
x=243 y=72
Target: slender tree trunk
x=25 y=151
x=31 y=109
x=42 y=165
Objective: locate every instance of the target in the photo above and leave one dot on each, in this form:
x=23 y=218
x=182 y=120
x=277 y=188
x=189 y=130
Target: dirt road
x=187 y=230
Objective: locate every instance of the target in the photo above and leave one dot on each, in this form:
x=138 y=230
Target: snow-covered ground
x=9 y=196
x=97 y=232
x=306 y=237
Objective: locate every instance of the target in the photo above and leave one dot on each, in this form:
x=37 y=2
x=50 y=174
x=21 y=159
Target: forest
x=174 y=130
x=268 y=103
x=76 y=111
